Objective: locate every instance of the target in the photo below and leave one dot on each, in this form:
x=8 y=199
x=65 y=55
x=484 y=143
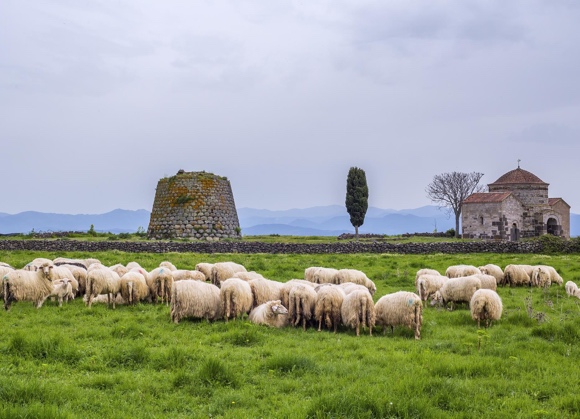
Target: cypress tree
x=357 y=197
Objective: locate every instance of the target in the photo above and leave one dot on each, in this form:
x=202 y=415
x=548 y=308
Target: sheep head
x=278 y=308
x=437 y=299
x=47 y=268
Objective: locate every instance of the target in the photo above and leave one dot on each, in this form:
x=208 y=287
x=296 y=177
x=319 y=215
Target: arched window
x=552 y=226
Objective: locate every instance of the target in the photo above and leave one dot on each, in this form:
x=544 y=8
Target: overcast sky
x=101 y=99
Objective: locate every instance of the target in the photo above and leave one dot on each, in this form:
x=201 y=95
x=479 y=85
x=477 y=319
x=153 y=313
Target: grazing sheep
x=270 y=313
x=324 y=275
x=205 y=269
x=554 y=275
x=135 y=286
x=488 y=282
x=224 y=270
x=287 y=286
x=401 y=308
x=80 y=275
x=309 y=273
x=540 y=277
x=247 y=276
x=196 y=299
x=572 y=289
x=429 y=284
x=59 y=272
x=514 y=275
x=301 y=303
x=328 y=305
x=485 y=305
x=493 y=270
x=456 y=271
x=4 y=269
x=236 y=298
x=120 y=269
x=24 y=285
x=265 y=290
x=181 y=274
x=358 y=310
x=62 y=291
x=425 y=271
x=349 y=287
x=356 y=277
x=160 y=284
x=168 y=265
x=102 y=280
x=456 y=290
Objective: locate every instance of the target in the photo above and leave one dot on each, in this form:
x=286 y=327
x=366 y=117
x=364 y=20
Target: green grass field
x=133 y=362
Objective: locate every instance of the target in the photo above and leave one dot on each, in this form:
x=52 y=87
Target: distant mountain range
x=331 y=220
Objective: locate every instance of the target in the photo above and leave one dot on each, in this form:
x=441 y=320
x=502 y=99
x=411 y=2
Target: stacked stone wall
x=194 y=205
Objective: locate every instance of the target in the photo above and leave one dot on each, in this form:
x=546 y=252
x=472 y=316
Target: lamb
x=190 y=298
x=514 y=275
x=358 y=310
x=60 y=272
x=301 y=303
x=80 y=275
x=485 y=305
x=328 y=305
x=401 y=308
x=265 y=290
x=134 y=286
x=24 y=285
x=554 y=275
x=456 y=290
x=236 y=298
x=455 y=271
x=205 y=269
x=429 y=284
x=493 y=270
x=160 y=284
x=224 y=270
x=572 y=289
x=62 y=291
x=271 y=313
x=356 y=277
x=102 y=280
x=540 y=277
x=181 y=274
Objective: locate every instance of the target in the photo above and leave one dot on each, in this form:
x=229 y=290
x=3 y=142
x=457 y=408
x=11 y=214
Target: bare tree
x=450 y=190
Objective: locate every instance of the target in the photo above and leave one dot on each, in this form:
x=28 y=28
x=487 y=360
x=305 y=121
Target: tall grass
x=74 y=362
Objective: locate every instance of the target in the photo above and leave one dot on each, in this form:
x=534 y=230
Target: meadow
x=74 y=362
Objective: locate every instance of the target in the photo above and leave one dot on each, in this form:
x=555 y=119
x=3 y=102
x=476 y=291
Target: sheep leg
x=320 y=324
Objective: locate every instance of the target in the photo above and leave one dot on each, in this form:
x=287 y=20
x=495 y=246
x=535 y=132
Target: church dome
x=518 y=176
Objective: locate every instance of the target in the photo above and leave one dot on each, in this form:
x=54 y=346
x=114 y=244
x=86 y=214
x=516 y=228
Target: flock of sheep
x=326 y=297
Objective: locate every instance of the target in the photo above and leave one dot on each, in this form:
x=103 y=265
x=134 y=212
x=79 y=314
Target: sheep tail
x=364 y=314
x=130 y=291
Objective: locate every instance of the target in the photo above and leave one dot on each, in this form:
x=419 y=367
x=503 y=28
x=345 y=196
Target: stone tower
x=194 y=205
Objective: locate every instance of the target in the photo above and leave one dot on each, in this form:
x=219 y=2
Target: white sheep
x=168 y=265
x=429 y=284
x=36 y=263
x=493 y=270
x=60 y=272
x=572 y=289
x=358 y=310
x=66 y=261
x=554 y=275
x=181 y=274
x=24 y=285
x=104 y=299
x=90 y=261
x=196 y=299
x=4 y=269
x=301 y=303
x=456 y=271
x=236 y=298
x=514 y=275
x=247 y=276
x=102 y=280
x=288 y=285
x=80 y=275
x=401 y=308
x=425 y=271
x=309 y=273
x=135 y=286
x=265 y=290
x=120 y=269
x=160 y=284
x=349 y=287
x=540 y=277
x=356 y=277
x=485 y=305
x=205 y=269
x=224 y=270
x=270 y=313
x=62 y=290
x=456 y=290
x=488 y=282
x=133 y=265
x=6 y=265
x=323 y=275
x=328 y=306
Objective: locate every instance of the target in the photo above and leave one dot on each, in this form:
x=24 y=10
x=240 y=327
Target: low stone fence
x=453 y=247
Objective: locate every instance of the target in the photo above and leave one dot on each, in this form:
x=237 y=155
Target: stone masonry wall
x=196 y=205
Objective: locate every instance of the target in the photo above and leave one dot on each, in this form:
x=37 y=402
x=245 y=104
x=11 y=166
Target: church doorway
x=514 y=233
x=552 y=226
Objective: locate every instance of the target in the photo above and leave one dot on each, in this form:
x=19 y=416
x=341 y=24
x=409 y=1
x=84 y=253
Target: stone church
x=516 y=206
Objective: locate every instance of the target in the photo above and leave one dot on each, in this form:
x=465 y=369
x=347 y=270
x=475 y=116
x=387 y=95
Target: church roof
x=518 y=176
x=552 y=201
x=486 y=197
